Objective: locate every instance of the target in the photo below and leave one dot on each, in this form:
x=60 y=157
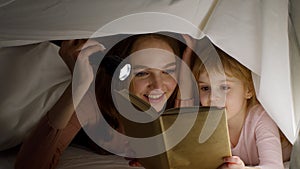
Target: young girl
x=254 y=136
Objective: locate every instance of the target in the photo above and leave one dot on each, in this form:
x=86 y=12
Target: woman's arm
x=73 y=51
x=43 y=148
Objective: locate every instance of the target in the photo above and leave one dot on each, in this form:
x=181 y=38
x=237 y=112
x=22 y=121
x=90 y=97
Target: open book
x=199 y=139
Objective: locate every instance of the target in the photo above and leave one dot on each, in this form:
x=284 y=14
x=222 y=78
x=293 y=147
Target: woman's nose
x=156 y=81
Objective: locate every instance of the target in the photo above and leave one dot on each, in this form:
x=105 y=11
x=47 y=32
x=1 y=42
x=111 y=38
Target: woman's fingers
x=91 y=47
x=187 y=55
x=72 y=49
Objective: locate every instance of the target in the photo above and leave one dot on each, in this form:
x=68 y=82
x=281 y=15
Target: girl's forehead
x=215 y=76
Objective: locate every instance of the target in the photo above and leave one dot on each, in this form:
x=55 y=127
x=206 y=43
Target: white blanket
x=253 y=32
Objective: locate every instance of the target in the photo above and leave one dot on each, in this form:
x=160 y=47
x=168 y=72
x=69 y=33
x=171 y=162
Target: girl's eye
x=141 y=74
x=225 y=87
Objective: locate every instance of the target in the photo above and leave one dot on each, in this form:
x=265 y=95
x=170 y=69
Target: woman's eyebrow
x=170 y=65
x=139 y=67
x=201 y=82
x=145 y=67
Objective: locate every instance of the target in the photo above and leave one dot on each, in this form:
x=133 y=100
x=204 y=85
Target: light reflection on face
x=153 y=72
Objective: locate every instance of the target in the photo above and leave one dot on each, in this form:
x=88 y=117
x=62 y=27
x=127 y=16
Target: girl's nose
x=217 y=99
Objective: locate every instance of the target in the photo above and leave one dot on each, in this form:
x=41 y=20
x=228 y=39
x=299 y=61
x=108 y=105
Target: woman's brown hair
x=104 y=74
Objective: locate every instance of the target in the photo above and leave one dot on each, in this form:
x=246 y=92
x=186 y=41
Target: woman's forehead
x=151 y=42
x=152 y=58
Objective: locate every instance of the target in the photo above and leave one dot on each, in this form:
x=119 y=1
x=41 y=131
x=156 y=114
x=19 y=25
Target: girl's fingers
x=134 y=163
x=232 y=159
x=234 y=162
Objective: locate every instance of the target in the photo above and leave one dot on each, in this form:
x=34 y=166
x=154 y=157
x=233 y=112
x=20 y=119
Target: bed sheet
x=74 y=158
x=79 y=158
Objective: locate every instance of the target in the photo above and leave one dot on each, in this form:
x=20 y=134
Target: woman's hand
x=233 y=162
x=78 y=51
x=185 y=96
x=81 y=49
x=72 y=51
x=187 y=54
x=75 y=53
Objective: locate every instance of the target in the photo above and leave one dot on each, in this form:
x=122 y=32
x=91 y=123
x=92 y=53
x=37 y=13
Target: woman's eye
x=169 y=71
x=205 y=88
x=141 y=74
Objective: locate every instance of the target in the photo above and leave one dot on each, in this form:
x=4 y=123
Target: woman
x=155 y=84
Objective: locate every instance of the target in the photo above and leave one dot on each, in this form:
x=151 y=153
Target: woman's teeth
x=154 y=96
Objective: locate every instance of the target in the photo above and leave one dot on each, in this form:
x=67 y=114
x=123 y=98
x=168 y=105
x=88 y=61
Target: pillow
x=33 y=77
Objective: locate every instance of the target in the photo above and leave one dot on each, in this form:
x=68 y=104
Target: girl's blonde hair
x=213 y=59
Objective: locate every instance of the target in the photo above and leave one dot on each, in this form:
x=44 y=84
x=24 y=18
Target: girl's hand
x=233 y=162
x=133 y=162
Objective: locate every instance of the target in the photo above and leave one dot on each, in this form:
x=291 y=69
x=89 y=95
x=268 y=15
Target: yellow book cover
x=190 y=137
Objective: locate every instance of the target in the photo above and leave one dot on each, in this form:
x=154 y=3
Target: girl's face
x=220 y=91
x=153 y=72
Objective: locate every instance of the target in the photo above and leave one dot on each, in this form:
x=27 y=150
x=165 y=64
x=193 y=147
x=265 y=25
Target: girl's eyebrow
x=146 y=67
x=222 y=81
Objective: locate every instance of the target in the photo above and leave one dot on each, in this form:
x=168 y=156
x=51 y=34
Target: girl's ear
x=249 y=93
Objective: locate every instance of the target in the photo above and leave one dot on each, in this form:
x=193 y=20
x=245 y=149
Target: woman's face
x=153 y=71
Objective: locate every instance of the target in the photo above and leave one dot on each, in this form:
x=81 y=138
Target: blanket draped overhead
x=259 y=34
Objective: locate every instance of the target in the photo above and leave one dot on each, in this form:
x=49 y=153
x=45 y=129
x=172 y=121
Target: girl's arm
x=268 y=143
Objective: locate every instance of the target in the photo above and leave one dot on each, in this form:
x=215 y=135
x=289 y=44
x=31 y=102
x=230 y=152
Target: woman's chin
x=158 y=106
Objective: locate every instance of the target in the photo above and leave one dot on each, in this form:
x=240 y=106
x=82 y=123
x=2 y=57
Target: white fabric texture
x=32 y=78
x=294 y=29
x=254 y=32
